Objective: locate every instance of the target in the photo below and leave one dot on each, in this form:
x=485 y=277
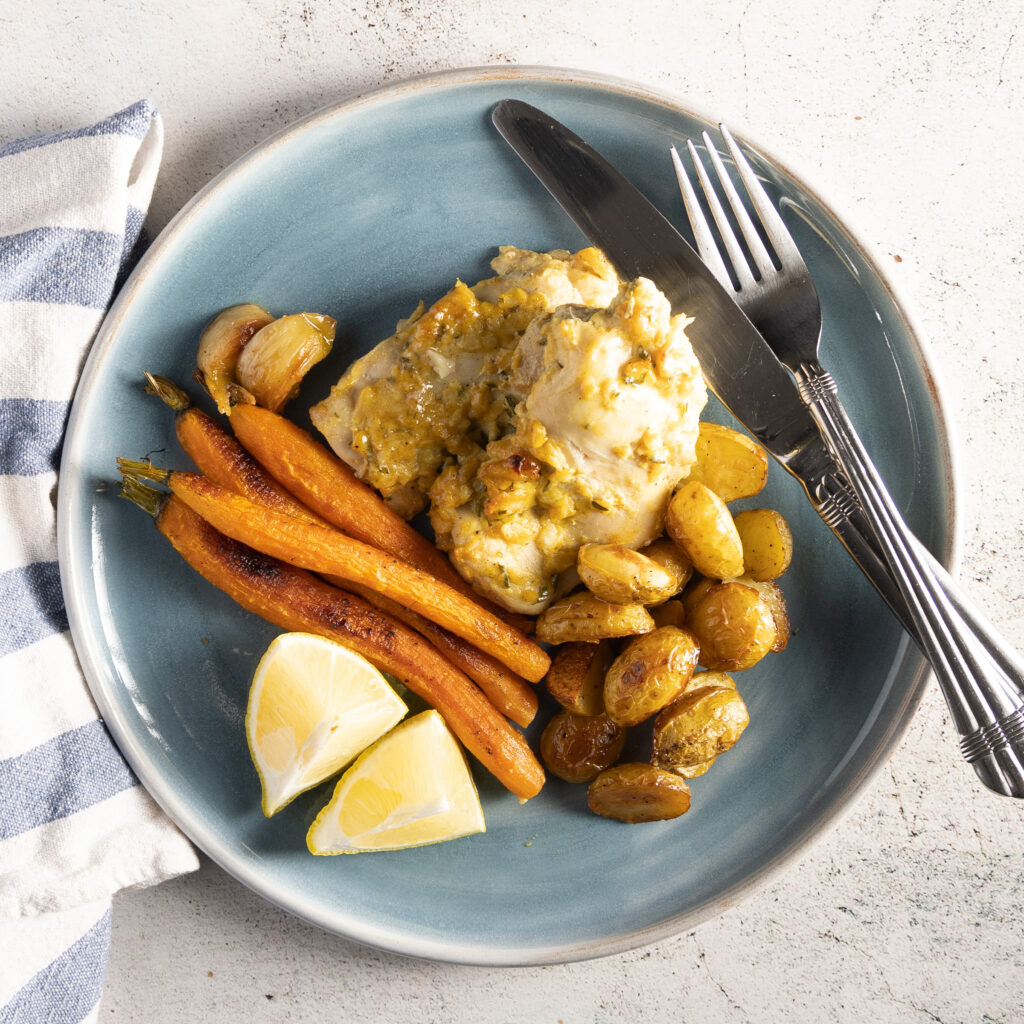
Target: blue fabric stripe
x=134 y=120
x=69 y=266
x=69 y=773
x=136 y=241
x=31 y=605
x=68 y=989
x=31 y=435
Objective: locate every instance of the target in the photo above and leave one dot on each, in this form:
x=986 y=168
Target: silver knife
x=738 y=365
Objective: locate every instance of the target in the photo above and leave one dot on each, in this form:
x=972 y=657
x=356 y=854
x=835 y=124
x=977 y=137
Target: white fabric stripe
x=145 y=167
x=43 y=348
x=28 y=530
x=30 y=945
x=42 y=696
x=119 y=842
x=43 y=174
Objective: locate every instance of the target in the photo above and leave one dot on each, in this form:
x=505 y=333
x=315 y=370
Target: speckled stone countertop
x=908 y=114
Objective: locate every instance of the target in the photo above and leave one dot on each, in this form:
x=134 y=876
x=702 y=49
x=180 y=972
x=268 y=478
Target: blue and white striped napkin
x=75 y=825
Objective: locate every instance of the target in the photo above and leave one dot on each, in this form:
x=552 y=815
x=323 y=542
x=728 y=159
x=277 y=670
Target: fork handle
x=979 y=675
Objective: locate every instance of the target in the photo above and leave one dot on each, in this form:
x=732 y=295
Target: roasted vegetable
x=619 y=575
x=733 y=625
x=635 y=792
x=671 y=557
x=584 y=616
x=576 y=676
x=771 y=594
x=649 y=673
x=578 y=748
x=220 y=345
x=296 y=600
x=693 y=730
x=699 y=522
x=767 y=543
x=671 y=613
x=730 y=463
x=326 y=550
x=279 y=355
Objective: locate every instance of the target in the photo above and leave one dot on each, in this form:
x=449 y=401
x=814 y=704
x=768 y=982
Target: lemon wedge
x=411 y=788
x=313 y=706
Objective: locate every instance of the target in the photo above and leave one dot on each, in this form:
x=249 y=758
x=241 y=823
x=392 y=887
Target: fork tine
x=702 y=233
x=761 y=256
x=774 y=227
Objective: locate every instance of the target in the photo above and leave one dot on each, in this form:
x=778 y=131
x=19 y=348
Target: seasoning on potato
x=730 y=463
x=651 y=672
x=578 y=748
x=733 y=625
x=635 y=792
x=619 y=575
x=767 y=543
x=692 y=731
x=584 y=616
x=576 y=676
x=698 y=520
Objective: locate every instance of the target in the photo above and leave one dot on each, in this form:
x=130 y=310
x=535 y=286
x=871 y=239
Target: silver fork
x=981 y=678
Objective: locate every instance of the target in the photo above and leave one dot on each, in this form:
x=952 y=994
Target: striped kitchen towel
x=75 y=825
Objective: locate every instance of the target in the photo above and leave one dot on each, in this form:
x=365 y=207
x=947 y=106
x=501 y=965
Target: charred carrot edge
x=295 y=600
x=328 y=551
x=320 y=480
x=220 y=457
x=513 y=696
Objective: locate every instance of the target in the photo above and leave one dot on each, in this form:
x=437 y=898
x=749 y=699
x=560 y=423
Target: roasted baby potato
x=578 y=748
x=707 y=680
x=619 y=575
x=692 y=731
x=671 y=557
x=767 y=543
x=730 y=463
x=771 y=594
x=274 y=361
x=733 y=625
x=671 y=613
x=584 y=616
x=651 y=672
x=221 y=344
x=576 y=676
x=635 y=792
x=699 y=522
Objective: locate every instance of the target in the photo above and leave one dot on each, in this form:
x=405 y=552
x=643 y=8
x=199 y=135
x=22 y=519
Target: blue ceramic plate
x=360 y=211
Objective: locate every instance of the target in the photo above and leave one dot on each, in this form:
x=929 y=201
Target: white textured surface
x=908 y=114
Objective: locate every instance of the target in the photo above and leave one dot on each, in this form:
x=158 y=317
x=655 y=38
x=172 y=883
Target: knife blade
x=737 y=362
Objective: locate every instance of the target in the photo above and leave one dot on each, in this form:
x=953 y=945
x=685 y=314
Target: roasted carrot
x=513 y=696
x=296 y=600
x=322 y=482
x=328 y=551
x=220 y=457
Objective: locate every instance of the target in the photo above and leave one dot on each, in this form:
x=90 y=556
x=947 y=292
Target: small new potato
x=671 y=613
x=730 y=463
x=767 y=543
x=584 y=616
x=649 y=673
x=733 y=625
x=577 y=748
x=698 y=520
x=635 y=792
x=671 y=557
x=695 y=729
x=576 y=676
x=619 y=575
x=771 y=594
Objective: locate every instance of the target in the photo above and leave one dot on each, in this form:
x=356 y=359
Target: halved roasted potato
x=650 y=672
x=767 y=543
x=696 y=728
x=733 y=625
x=635 y=792
x=584 y=616
x=576 y=676
x=698 y=520
x=578 y=748
x=732 y=464
x=621 y=575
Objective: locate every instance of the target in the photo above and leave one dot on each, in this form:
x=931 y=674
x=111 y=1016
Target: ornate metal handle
x=980 y=677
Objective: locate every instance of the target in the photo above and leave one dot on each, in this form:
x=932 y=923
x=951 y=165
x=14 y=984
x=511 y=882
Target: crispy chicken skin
x=546 y=407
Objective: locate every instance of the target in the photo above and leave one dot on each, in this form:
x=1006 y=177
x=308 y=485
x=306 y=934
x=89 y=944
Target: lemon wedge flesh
x=411 y=788
x=313 y=706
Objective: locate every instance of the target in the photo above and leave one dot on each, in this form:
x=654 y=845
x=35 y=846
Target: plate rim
x=392 y=940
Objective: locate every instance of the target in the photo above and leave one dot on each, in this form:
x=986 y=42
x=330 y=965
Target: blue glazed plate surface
x=360 y=211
